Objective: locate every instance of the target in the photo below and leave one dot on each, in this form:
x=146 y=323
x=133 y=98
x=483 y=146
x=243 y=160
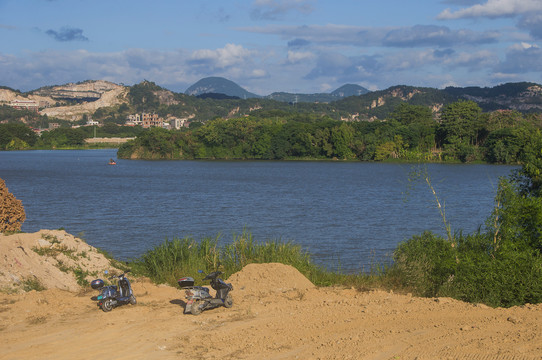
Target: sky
x=266 y=46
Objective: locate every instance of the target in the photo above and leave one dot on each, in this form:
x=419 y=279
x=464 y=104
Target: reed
x=175 y=258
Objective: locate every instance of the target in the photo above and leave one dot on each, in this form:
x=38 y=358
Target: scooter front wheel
x=228 y=301
x=196 y=308
x=107 y=305
x=133 y=300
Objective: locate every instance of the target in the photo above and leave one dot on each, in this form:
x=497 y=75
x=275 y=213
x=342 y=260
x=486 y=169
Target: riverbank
x=277 y=313
x=108 y=140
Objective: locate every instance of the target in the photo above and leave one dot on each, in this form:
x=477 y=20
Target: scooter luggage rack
x=186 y=282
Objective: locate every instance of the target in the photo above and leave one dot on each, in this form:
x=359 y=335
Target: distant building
x=134 y=120
x=146 y=120
x=91 y=122
x=30 y=105
x=176 y=123
x=53 y=126
x=151 y=120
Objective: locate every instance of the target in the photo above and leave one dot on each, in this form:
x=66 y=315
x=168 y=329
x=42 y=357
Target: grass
x=57 y=248
x=30 y=284
x=426 y=265
x=80 y=276
x=175 y=258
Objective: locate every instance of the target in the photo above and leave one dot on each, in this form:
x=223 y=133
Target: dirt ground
x=277 y=314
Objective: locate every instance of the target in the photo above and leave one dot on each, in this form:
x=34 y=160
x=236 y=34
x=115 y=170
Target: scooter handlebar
x=212 y=275
x=118 y=276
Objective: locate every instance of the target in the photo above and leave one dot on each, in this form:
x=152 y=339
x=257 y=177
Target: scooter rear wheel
x=195 y=309
x=107 y=305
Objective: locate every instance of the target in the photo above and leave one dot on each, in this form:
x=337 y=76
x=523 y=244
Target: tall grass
x=175 y=258
x=426 y=265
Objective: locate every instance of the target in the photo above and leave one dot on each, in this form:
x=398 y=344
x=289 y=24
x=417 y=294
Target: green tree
x=15 y=136
x=517 y=220
x=504 y=146
x=342 y=137
x=158 y=141
x=63 y=137
x=143 y=96
x=407 y=114
x=390 y=149
x=503 y=119
x=460 y=123
x=530 y=176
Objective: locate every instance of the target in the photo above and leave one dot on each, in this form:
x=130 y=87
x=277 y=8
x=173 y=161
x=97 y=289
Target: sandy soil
x=277 y=314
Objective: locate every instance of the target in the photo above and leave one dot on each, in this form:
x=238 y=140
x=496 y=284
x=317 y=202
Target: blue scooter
x=200 y=299
x=114 y=295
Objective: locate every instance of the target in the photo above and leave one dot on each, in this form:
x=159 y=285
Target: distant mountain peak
x=219 y=85
x=350 y=90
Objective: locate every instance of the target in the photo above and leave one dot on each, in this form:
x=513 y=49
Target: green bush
x=511 y=279
x=474 y=270
x=423 y=264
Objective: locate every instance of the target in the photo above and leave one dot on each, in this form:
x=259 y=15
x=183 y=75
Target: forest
x=463 y=133
x=457 y=130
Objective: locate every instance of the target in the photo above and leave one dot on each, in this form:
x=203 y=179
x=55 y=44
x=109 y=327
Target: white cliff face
x=111 y=97
x=7 y=96
x=79 y=90
x=97 y=93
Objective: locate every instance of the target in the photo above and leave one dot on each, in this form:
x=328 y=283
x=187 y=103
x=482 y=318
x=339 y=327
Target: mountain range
x=219 y=85
x=215 y=96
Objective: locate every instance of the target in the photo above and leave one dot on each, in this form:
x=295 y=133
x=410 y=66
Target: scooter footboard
x=222 y=293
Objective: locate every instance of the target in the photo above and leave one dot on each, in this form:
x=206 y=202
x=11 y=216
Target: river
x=347 y=215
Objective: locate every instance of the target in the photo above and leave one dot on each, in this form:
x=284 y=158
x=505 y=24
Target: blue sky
x=299 y=46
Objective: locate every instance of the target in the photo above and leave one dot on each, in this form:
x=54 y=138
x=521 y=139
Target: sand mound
x=268 y=278
x=48 y=259
x=277 y=314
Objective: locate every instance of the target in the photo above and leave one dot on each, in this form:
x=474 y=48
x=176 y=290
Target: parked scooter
x=200 y=299
x=114 y=295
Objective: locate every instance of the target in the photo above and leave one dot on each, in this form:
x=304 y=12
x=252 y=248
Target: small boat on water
x=112 y=162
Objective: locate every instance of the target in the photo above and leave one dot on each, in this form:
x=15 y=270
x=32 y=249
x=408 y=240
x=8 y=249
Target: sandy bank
x=277 y=314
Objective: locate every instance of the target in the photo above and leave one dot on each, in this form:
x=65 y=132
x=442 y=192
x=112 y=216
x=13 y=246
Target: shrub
x=509 y=279
x=423 y=264
x=12 y=213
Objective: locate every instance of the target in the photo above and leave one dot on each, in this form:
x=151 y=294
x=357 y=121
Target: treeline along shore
x=463 y=133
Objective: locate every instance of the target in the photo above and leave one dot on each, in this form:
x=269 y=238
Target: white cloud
x=478 y=60
x=523 y=46
x=494 y=9
x=521 y=59
x=258 y=73
x=229 y=55
x=299 y=56
x=333 y=35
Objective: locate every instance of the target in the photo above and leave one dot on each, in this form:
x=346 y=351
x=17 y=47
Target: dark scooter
x=114 y=295
x=200 y=299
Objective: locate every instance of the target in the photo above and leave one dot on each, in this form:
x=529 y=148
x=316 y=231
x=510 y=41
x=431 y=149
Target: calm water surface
x=342 y=213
